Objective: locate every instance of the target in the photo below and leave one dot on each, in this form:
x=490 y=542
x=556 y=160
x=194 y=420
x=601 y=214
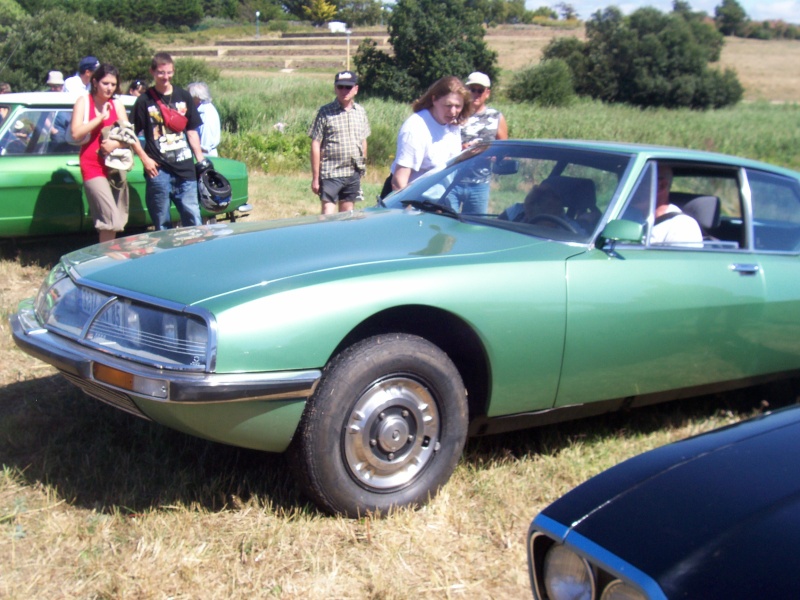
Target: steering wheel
x=14 y=147
x=556 y=220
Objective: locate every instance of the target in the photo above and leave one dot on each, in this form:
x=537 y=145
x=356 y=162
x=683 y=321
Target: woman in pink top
x=108 y=199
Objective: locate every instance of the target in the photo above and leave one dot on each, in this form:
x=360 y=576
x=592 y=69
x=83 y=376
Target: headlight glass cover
x=567 y=576
x=123 y=327
x=619 y=590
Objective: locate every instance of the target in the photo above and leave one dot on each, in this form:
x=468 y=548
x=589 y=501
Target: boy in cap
x=80 y=82
x=339 y=147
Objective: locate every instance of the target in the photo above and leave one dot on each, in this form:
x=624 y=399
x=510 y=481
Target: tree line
x=146 y=15
x=648 y=58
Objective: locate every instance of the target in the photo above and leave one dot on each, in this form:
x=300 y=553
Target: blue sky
x=788 y=10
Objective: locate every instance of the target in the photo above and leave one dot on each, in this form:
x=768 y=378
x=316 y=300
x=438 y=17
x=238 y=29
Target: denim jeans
x=471 y=198
x=165 y=188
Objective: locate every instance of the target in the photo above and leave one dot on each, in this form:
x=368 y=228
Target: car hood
x=715 y=516
x=189 y=265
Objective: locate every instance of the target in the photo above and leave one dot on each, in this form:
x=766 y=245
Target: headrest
x=577 y=193
x=703 y=209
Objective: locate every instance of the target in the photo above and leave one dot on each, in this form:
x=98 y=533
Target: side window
x=38 y=131
x=61 y=123
x=21 y=134
x=687 y=206
x=776 y=211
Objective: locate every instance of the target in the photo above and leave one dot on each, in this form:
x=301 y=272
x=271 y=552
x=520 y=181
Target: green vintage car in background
x=41 y=189
x=371 y=344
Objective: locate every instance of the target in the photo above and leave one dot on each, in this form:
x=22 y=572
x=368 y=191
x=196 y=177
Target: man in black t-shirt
x=169 y=154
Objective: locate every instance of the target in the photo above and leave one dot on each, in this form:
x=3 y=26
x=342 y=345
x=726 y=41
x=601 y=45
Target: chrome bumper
x=79 y=365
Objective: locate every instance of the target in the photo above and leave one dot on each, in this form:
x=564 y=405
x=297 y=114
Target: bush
x=57 y=40
x=547 y=84
x=10 y=13
x=381 y=77
x=188 y=70
x=278 y=25
x=648 y=59
x=430 y=39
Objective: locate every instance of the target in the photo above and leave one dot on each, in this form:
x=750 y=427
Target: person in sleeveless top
x=106 y=192
x=471 y=195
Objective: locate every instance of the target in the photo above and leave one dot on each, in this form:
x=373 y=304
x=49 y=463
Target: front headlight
x=567 y=576
x=619 y=590
x=152 y=334
x=147 y=333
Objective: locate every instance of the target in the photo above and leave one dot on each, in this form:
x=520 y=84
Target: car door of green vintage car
x=42 y=188
x=649 y=318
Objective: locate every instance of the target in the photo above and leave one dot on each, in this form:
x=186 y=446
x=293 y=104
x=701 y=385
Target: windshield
x=551 y=191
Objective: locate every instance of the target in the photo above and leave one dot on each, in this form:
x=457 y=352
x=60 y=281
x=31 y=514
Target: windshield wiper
x=431 y=206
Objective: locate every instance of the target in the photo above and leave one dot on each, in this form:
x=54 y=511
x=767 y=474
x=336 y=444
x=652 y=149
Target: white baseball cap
x=478 y=78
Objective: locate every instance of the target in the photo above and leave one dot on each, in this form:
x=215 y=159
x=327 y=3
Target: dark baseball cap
x=88 y=63
x=346 y=78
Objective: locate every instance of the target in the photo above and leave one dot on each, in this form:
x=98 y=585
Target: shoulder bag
x=172 y=118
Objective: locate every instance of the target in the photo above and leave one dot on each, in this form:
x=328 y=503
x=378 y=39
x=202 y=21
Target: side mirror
x=621 y=230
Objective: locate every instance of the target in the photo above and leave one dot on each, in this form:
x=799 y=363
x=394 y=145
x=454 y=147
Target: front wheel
x=385 y=427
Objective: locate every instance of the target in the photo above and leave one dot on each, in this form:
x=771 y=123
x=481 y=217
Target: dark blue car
x=713 y=516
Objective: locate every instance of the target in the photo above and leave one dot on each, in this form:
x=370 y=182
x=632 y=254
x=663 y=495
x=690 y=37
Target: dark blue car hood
x=715 y=516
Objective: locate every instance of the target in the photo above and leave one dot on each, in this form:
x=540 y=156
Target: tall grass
x=266 y=120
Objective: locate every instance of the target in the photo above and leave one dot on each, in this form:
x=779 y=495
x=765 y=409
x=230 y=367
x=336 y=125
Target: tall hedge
x=57 y=40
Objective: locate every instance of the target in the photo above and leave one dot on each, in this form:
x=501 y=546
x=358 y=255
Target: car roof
x=51 y=99
x=665 y=153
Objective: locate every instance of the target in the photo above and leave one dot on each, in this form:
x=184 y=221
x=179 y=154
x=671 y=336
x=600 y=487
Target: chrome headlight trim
x=121 y=323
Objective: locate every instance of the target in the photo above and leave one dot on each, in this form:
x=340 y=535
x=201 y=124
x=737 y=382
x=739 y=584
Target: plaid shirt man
x=341 y=134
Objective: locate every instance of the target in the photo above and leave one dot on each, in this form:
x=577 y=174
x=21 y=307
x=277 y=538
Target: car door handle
x=744 y=268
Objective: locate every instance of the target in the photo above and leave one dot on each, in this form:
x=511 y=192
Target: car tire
x=385 y=427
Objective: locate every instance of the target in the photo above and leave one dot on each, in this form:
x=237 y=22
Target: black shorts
x=341 y=189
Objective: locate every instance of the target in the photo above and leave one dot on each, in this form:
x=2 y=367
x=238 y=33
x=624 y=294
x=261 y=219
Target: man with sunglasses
x=339 y=147
x=484 y=125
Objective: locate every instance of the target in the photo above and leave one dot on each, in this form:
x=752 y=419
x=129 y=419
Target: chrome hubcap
x=392 y=433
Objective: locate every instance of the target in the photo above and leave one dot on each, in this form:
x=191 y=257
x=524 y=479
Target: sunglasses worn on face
x=344 y=87
x=477 y=90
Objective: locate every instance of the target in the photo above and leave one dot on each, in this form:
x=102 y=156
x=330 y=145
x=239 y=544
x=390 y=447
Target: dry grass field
x=95 y=503
x=768 y=70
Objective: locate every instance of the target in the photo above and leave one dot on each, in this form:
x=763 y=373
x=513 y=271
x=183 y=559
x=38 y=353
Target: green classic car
x=371 y=344
x=40 y=176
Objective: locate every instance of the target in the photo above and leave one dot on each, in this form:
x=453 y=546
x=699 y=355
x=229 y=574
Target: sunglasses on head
x=477 y=90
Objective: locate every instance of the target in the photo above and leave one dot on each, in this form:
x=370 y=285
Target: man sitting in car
x=671 y=225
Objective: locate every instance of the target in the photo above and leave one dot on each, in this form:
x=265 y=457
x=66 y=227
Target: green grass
x=252 y=108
